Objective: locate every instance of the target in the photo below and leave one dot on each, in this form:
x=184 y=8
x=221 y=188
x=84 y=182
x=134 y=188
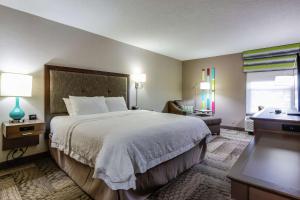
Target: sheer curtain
x=271 y=89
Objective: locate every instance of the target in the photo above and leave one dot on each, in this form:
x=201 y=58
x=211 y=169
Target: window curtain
x=272 y=58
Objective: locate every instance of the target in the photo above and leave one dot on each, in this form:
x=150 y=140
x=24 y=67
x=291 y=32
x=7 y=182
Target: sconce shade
x=139 y=78
x=204 y=86
x=16 y=85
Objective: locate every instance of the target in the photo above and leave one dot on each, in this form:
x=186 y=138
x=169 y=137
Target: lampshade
x=16 y=85
x=204 y=86
x=138 y=78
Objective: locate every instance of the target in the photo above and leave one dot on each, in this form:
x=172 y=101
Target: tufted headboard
x=60 y=82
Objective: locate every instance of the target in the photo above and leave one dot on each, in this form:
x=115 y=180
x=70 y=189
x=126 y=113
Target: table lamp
x=16 y=85
x=139 y=80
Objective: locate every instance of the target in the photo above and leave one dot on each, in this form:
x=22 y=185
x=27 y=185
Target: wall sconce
x=139 y=80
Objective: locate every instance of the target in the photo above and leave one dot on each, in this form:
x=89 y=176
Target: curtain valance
x=272 y=58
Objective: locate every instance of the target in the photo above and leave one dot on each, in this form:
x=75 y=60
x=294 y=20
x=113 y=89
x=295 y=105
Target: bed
x=122 y=155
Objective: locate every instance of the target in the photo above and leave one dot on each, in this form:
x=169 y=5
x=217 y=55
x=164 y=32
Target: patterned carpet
x=43 y=180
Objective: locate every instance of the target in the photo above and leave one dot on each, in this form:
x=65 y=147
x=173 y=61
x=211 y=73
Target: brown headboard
x=60 y=82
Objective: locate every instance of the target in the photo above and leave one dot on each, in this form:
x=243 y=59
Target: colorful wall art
x=207 y=90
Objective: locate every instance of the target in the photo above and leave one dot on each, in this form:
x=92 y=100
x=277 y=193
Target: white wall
x=28 y=42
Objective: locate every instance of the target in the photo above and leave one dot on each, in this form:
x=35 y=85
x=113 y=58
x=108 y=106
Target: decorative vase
x=17 y=113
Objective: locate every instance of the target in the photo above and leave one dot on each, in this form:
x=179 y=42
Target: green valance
x=272 y=58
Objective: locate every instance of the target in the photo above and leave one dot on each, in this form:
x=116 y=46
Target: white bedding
x=120 y=144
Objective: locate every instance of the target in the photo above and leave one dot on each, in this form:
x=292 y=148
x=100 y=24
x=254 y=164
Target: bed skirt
x=146 y=183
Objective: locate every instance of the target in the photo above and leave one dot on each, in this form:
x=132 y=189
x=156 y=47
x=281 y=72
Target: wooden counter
x=267 y=121
x=269 y=168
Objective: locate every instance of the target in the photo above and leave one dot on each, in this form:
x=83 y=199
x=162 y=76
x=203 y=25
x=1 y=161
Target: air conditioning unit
x=249 y=124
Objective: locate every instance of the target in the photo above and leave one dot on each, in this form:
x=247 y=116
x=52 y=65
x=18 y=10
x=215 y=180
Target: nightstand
x=17 y=135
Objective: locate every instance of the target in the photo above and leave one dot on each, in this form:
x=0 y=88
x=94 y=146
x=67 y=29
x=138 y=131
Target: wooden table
x=266 y=121
x=269 y=168
x=18 y=135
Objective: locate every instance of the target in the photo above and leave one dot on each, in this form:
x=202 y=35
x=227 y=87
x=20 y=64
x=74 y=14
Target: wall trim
x=23 y=160
x=233 y=128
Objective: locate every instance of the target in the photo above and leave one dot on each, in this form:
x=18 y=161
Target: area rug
x=207 y=180
x=42 y=179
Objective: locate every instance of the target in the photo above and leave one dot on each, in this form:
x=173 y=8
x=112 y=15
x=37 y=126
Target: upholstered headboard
x=60 y=82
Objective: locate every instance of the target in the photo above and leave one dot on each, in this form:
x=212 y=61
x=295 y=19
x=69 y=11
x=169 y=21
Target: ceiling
x=182 y=29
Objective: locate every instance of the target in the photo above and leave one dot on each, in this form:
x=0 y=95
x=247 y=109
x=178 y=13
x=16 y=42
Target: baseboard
x=23 y=160
x=233 y=128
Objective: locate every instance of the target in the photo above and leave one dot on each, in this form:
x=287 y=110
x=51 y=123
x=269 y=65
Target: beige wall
x=28 y=42
x=230 y=85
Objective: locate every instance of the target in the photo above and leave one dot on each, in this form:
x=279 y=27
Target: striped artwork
x=272 y=58
x=207 y=95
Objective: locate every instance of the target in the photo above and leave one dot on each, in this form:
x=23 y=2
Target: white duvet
x=120 y=144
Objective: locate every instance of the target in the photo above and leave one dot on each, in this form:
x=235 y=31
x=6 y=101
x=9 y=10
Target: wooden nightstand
x=17 y=135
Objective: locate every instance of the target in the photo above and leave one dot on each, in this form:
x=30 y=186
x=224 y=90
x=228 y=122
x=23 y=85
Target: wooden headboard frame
x=48 y=68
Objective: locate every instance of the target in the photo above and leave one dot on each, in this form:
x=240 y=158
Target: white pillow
x=115 y=104
x=69 y=106
x=88 y=105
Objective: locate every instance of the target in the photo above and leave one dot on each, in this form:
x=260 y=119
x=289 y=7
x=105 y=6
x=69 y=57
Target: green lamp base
x=17 y=113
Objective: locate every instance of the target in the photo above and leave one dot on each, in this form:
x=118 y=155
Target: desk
x=269 y=168
x=266 y=121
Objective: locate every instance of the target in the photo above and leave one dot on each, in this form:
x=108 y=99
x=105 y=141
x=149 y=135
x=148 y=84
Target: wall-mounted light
x=16 y=85
x=139 y=80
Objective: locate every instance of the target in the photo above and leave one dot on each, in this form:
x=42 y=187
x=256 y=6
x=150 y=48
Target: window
x=271 y=89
